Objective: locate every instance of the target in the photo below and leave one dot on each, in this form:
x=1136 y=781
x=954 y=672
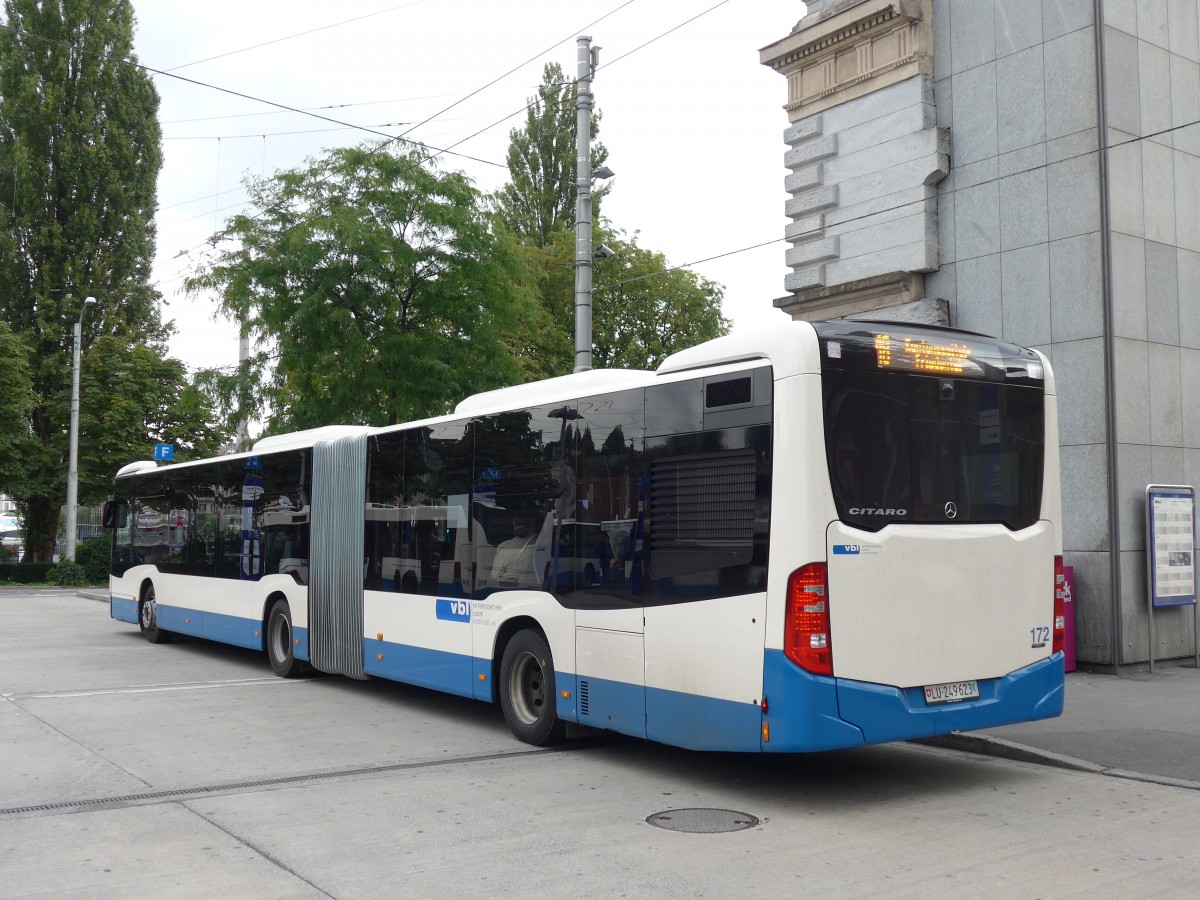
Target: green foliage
x=539 y=201
x=378 y=286
x=95 y=558
x=642 y=309
x=17 y=401
x=68 y=573
x=25 y=573
x=79 y=157
x=133 y=396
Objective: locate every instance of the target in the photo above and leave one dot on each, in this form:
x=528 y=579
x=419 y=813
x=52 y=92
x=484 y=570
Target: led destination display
x=922 y=350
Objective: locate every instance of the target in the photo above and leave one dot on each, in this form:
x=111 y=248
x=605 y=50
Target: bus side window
x=437 y=487
x=709 y=508
x=610 y=504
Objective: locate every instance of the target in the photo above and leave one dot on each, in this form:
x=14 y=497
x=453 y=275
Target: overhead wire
x=293 y=36
x=898 y=207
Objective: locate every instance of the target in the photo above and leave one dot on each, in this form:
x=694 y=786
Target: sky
x=692 y=121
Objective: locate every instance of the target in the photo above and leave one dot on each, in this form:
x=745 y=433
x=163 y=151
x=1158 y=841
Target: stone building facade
x=1008 y=167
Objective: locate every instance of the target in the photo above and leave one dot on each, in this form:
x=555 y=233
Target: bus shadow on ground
x=898 y=773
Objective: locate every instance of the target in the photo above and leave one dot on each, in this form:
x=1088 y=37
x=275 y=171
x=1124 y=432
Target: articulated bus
x=821 y=536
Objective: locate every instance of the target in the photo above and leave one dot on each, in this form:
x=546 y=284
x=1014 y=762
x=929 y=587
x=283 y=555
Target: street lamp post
x=73 y=466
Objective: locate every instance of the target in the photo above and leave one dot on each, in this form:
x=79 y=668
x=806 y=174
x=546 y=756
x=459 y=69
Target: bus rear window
x=920 y=448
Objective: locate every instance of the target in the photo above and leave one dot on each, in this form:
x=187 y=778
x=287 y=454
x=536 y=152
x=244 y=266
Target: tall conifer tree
x=79 y=156
x=540 y=198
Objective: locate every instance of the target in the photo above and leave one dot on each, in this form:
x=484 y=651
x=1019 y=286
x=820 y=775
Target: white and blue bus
x=821 y=536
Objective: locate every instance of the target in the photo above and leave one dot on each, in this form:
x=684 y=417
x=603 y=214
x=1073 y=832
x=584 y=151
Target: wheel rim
x=281 y=638
x=527 y=688
x=148 y=612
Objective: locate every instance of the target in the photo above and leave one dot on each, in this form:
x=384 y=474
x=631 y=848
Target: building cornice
x=851 y=49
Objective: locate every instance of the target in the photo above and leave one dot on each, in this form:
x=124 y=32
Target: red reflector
x=1060 y=593
x=806 y=640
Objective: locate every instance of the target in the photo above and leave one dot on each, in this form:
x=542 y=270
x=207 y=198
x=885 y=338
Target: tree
x=539 y=201
x=138 y=397
x=79 y=155
x=378 y=286
x=642 y=309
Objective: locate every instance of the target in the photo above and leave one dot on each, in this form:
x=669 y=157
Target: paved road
x=133 y=770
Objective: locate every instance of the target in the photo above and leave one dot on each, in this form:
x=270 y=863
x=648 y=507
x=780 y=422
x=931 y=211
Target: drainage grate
x=703 y=821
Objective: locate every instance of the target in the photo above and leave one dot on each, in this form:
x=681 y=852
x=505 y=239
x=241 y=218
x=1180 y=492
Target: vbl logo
x=454 y=610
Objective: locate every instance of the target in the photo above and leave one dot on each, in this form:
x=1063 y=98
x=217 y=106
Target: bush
x=95 y=556
x=25 y=573
x=68 y=573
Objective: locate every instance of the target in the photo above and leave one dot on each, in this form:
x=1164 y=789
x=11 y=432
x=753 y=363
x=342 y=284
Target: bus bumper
x=887 y=713
x=809 y=712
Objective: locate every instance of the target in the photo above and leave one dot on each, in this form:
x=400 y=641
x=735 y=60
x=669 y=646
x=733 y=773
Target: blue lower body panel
x=123 y=609
x=180 y=620
x=233 y=630
x=702 y=723
x=802 y=710
x=437 y=669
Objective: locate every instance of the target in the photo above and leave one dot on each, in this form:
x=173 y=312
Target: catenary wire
x=293 y=36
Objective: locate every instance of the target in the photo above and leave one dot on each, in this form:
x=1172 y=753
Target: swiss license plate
x=951 y=692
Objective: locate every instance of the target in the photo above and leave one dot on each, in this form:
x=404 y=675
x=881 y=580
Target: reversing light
x=806 y=640
x=1060 y=593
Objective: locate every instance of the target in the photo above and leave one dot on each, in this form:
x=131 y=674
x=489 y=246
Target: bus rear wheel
x=148 y=619
x=527 y=692
x=280 y=644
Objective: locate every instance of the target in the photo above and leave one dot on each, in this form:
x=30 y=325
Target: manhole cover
x=702 y=821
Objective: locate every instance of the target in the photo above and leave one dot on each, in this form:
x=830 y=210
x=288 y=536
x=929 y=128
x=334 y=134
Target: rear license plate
x=951 y=692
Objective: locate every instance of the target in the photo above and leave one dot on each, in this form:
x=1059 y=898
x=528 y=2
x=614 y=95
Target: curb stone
x=1005 y=749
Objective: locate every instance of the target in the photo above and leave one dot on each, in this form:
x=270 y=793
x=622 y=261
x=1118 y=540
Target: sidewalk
x=1135 y=726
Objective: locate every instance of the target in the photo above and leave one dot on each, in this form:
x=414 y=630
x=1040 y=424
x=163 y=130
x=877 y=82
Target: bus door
x=610 y=647
x=611 y=662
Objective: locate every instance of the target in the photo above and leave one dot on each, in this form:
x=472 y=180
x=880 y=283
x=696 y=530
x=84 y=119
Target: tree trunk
x=41 y=527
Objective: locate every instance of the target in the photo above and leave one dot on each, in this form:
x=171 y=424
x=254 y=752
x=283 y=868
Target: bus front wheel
x=148 y=619
x=527 y=692
x=280 y=644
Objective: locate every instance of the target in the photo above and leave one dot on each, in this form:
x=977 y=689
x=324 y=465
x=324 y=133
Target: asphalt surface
x=132 y=770
x=1139 y=726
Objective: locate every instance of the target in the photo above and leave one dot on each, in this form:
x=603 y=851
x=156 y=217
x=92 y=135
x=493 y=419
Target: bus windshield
x=957 y=437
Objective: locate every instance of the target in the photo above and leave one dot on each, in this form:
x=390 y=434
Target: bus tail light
x=1060 y=593
x=806 y=623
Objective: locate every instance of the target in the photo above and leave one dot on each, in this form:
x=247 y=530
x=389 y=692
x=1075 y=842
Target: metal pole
x=243 y=432
x=73 y=464
x=583 y=208
x=1110 y=353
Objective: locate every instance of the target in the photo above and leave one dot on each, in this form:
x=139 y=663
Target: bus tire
x=527 y=691
x=148 y=618
x=280 y=644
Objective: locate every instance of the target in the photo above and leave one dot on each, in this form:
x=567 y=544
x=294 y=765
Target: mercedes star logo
x=951 y=510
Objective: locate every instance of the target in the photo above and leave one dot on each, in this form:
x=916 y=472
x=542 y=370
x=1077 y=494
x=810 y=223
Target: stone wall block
x=806 y=255
x=805 y=279
x=804 y=130
x=804 y=179
x=810 y=228
x=810 y=202
x=810 y=152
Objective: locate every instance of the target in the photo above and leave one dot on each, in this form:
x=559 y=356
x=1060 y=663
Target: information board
x=1171 y=544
